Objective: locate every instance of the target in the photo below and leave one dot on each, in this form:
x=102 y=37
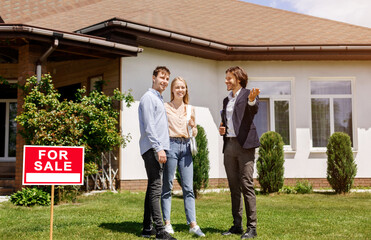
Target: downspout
x=44 y=57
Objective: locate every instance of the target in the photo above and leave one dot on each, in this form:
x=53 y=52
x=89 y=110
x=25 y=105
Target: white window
x=331 y=109
x=8 y=126
x=275 y=107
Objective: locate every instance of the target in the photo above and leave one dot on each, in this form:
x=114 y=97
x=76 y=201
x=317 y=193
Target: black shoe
x=164 y=235
x=233 y=230
x=148 y=233
x=250 y=233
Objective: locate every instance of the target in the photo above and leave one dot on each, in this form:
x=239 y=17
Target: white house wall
x=201 y=76
x=205 y=79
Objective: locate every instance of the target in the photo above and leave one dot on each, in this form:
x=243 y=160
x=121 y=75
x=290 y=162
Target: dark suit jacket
x=243 y=116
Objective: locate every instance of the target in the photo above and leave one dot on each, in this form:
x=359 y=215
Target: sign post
x=51 y=214
x=51 y=165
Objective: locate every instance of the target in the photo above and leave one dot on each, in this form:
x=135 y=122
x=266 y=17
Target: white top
x=229 y=112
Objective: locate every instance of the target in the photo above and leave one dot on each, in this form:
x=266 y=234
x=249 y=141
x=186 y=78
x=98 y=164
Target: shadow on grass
x=136 y=227
x=126 y=227
x=325 y=193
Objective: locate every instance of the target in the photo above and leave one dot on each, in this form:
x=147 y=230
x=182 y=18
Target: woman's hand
x=191 y=123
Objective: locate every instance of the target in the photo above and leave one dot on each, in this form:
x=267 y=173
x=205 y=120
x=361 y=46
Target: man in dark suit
x=240 y=140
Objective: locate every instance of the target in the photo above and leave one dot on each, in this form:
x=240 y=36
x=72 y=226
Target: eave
x=71 y=45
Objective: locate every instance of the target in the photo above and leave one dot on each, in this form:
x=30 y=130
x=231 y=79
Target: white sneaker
x=197 y=231
x=169 y=229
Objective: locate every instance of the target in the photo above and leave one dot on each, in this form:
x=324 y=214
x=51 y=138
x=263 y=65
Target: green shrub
x=288 y=190
x=201 y=163
x=303 y=187
x=30 y=197
x=270 y=162
x=90 y=121
x=341 y=167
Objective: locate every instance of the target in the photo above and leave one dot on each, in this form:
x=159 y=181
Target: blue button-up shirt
x=154 y=130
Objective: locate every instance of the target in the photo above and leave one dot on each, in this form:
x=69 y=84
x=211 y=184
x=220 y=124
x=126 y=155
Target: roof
x=230 y=22
x=66 y=42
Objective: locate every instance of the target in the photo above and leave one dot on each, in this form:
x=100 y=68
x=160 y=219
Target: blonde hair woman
x=179 y=156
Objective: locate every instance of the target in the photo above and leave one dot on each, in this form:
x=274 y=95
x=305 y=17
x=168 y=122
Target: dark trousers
x=239 y=166
x=152 y=209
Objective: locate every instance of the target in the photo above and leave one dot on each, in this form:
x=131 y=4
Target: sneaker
x=164 y=235
x=250 y=233
x=197 y=231
x=233 y=230
x=148 y=233
x=169 y=228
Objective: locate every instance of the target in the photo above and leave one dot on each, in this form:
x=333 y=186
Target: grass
x=119 y=216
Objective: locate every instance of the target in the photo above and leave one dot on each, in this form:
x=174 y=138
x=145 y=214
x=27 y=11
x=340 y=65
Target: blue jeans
x=179 y=155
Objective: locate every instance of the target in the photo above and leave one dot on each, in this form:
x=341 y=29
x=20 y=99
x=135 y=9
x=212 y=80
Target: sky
x=357 y=12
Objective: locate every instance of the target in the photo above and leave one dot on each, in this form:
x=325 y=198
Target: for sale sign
x=53 y=165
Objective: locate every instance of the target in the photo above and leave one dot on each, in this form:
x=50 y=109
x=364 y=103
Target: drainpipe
x=43 y=58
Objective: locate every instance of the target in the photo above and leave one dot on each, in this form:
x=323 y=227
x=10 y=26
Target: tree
x=91 y=121
x=341 y=167
x=270 y=162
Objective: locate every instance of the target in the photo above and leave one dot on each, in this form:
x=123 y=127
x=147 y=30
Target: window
x=8 y=126
x=331 y=109
x=69 y=92
x=274 y=109
x=8 y=55
x=96 y=83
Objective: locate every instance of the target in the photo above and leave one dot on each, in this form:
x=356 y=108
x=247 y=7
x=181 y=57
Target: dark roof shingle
x=230 y=22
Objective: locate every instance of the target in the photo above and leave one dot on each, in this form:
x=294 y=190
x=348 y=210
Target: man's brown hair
x=239 y=74
x=161 y=69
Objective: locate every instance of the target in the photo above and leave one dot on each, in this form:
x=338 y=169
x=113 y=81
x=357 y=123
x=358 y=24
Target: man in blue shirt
x=154 y=141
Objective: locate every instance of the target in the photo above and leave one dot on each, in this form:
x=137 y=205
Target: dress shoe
x=233 y=230
x=250 y=233
x=147 y=233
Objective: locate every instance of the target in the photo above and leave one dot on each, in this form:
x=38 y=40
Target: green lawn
x=119 y=216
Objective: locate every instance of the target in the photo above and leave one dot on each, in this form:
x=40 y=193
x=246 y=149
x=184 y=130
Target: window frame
x=272 y=99
x=331 y=98
x=7 y=102
x=93 y=79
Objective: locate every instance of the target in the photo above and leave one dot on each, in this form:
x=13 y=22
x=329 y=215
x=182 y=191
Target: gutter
x=44 y=57
x=216 y=45
x=68 y=36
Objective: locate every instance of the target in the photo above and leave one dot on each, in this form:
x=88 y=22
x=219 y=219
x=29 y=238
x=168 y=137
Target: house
x=314 y=74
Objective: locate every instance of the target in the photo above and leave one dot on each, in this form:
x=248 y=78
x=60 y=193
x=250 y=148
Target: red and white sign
x=53 y=165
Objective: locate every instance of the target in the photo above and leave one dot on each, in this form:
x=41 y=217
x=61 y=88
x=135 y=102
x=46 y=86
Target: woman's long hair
x=185 y=98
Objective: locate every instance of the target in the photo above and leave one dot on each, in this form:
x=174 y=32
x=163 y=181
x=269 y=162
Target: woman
x=179 y=156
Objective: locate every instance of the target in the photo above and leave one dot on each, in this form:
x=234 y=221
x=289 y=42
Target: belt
x=230 y=138
x=179 y=139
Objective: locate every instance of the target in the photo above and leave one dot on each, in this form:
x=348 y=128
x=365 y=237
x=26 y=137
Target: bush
x=201 y=163
x=90 y=121
x=288 y=190
x=341 y=168
x=30 y=197
x=270 y=162
x=303 y=187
